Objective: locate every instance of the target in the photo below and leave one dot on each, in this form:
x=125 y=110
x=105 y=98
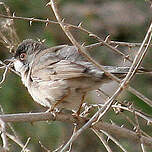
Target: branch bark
x=137 y=61
x=109 y=128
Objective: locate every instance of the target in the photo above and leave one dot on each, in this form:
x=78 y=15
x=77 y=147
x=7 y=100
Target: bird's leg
x=53 y=111
x=77 y=114
x=53 y=108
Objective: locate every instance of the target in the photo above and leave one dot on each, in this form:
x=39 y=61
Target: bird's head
x=25 y=54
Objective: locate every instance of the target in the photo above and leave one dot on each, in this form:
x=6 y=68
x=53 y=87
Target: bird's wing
x=61 y=62
x=60 y=69
x=52 y=74
x=65 y=62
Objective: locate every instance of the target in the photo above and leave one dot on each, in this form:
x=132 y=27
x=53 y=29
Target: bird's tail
x=124 y=70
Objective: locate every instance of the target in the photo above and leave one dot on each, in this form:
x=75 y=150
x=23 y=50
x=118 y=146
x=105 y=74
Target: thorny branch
x=109 y=128
x=3 y=135
x=48 y=21
x=137 y=61
x=8 y=33
x=100 y=136
x=101 y=43
x=114 y=140
x=110 y=44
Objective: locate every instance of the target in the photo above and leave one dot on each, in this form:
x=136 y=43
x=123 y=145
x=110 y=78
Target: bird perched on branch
x=59 y=76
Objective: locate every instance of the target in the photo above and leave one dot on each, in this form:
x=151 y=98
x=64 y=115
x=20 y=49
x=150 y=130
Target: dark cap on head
x=29 y=46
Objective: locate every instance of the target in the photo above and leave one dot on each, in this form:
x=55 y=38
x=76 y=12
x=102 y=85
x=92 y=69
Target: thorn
x=43 y=40
x=116 y=46
x=31 y=21
x=130 y=47
x=38 y=39
x=108 y=139
x=13 y=14
x=83 y=44
x=135 y=128
x=80 y=24
x=112 y=122
x=127 y=56
x=46 y=24
x=63 y=20
x=124 y=60
x=122 y=126
x=66 y=27
x=98 y=94
x=149 y=123
x=49 y=4
x=91 y=35
x=107 y=39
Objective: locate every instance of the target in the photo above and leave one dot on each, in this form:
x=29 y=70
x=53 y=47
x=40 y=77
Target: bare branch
x=141 y=96
x=115 y=141
x=109 y=128
x=100 y=136
x=27 y=142
x=47 y=21
x=6 y=66
x=3 y=135
x=139 y=57
x=17 y=141
x=47 y=150
x=101 y=43
x=4 y=76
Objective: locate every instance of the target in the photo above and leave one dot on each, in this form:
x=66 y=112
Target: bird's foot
x=53 y=111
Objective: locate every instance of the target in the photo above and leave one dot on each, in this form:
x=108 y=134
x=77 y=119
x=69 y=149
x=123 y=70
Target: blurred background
x=124 y=20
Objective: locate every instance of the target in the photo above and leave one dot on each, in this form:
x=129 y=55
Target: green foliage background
x=14 y=97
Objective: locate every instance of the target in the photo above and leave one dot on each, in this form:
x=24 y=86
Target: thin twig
x=14 y=137
x=27 y=142
x=114 y=140
x=139 y=133
x=137 y=112
x=5 y=65
x=17 y=141
x=134 y=125
x=123 y=85
x=138 y=94
x=109 y=128
x=125 y=44
x=48 y=21
x=140 y=114
x=47 y=150
x=100 y=136
x=4 y=75
x=101 y=42
x=3 y=135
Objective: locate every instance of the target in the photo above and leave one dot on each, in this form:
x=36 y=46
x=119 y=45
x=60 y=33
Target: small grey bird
x=59 y=76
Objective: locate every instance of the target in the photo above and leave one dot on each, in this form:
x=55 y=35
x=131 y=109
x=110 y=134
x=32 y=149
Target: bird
x=59 y=76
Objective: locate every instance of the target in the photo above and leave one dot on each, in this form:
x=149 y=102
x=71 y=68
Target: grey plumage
x=59 y=76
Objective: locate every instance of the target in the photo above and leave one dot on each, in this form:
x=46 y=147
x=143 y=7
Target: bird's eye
x=22 y=56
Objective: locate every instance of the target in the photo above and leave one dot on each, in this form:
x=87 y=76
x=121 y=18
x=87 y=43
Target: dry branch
x=109 y=128
x=84 y=122
x=47 y=21
x=101 y=42
x=137 y=61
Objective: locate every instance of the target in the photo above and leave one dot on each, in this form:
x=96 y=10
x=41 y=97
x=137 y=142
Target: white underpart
x=18 y=65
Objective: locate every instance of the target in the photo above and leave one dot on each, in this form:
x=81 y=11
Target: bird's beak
x=10 y=60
